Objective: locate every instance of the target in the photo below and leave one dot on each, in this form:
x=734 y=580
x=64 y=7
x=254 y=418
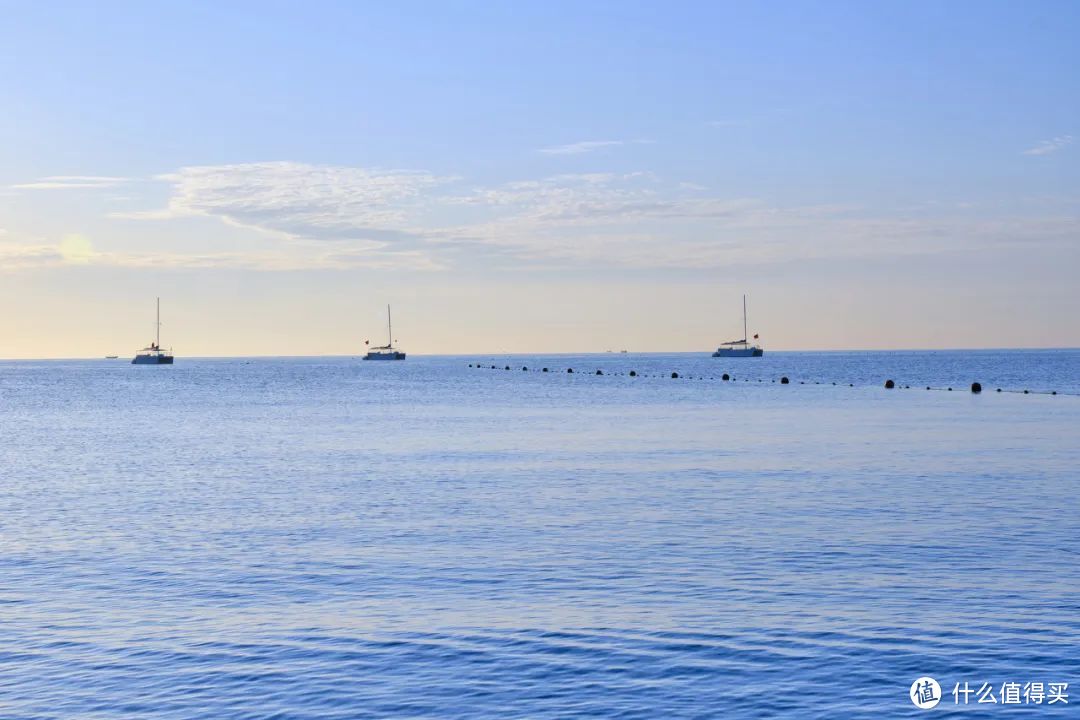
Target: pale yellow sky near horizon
x=75 y=311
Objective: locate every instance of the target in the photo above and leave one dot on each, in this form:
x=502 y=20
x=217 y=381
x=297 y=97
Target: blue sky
x=477 y=164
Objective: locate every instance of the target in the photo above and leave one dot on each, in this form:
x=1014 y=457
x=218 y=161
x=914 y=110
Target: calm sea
x=329 y=538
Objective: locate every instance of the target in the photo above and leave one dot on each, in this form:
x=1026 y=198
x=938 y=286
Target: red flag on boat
x=755 y=336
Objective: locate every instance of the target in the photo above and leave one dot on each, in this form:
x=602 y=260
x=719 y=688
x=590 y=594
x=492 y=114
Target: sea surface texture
x=331 y=538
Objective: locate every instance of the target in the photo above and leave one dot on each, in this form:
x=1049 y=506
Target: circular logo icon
x=925 y=693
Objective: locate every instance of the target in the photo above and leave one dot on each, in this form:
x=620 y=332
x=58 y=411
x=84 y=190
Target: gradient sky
x=546 y=176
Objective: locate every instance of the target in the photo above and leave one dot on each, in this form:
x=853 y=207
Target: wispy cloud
x=587 y=146
x=333 y=217
x=374 y=212
x=71 y=182
x=1052 y=145
x=76 y=250
x=20 y=257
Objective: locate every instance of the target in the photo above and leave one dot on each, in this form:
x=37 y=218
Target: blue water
x=328 y=538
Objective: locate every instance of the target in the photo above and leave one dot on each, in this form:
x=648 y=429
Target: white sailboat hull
x=739 y=352
x=152 y=360
x=393 y=355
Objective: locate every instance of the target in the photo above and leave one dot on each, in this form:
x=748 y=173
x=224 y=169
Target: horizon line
x=534 y=353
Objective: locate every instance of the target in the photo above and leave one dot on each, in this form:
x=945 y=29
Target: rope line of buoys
x=976 y=388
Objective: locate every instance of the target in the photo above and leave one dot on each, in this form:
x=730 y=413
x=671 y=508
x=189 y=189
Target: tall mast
x=157 y=325
x=745 y=337
x=389 y=329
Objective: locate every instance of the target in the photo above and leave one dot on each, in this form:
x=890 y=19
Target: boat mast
x=744 y=335
x=157 y=325
x=389 y=329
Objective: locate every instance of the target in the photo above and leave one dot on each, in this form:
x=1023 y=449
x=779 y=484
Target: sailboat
x=740 y=348
x=153 y=354
x=387 y=351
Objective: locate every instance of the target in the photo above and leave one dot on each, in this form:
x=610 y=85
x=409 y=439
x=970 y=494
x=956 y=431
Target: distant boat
x=153 y=354
x=111 y=357
x=387 y=351
x=740 y=348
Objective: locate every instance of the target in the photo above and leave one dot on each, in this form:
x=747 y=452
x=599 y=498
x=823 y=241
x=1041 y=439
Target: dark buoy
x=976 y=387
x=949 y=389
x=507 y=367
x=1025 y=392
x=927 y=387
x=999 y=389
x=1053 y=392
x=570 y=370
x=725 y=376
x=851 y=384
x=889 y=384
x=524 y=368
x=545 y=369
x=470 y=364
x=492 y=367
x=784 y=380
x=633 y=373
x=599 y=372
x=674 y=376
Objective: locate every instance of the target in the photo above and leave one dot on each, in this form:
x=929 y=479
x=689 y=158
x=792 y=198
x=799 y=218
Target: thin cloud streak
x=71 y=182
x=588 y=146
x=1053 y=145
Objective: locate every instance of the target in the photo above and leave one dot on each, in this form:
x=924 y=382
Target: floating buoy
x=674 y=376
x=570 y=370
x=507 y=367
x=949 y=389
x=927 y=387
x=1053 y=392
x=599 y=372
x=851 y=384
x=1025 y=392
x=784 y=380
x=470 y=364
x=633 y=373
x=999 y=389
x=492 y=367
x=545 y=370
x=725 y=376
x=889 y=384
x=524 y=368
x=976 y=387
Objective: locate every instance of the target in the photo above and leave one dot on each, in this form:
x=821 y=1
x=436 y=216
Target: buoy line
x=975 y=388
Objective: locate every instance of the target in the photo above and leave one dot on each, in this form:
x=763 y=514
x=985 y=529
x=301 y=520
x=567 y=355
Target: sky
x=537 y=176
